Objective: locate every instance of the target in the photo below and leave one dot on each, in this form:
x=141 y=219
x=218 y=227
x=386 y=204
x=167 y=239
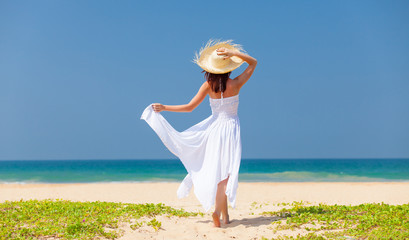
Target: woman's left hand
x=157 y=107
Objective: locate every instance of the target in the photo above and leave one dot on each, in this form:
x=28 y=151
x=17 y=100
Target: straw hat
x=209 y=61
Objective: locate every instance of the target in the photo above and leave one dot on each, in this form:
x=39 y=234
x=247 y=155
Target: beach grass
x=365 y=221
x=61 y=219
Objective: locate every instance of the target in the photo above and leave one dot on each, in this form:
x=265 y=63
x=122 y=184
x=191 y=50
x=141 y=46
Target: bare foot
x=216 y=219
x=226 y=219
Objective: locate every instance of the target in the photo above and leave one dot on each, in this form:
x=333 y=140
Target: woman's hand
x=226 y=52
x=157 y=107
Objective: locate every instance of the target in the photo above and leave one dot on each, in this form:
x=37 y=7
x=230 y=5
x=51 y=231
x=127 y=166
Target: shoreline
x=180 y=180
x=156 y=192
x=177 y=181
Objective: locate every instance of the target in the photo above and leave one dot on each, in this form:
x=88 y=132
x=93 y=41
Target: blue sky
x=332 y=79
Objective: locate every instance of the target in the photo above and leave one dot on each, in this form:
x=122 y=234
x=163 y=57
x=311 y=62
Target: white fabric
x=210 y=150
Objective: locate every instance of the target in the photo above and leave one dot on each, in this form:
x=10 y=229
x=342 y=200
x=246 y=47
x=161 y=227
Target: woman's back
x=232 y=89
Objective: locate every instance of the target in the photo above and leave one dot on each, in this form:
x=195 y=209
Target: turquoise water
x=251 y=170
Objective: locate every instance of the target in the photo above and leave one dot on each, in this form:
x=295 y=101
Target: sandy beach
x=246 y=221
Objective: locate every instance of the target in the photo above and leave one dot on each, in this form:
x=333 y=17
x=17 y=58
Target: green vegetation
x=76 y=220
x=98 y=220
x=255 y=205
x=365 y=221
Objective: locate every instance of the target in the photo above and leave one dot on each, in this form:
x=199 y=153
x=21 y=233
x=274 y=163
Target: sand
x=247 y=223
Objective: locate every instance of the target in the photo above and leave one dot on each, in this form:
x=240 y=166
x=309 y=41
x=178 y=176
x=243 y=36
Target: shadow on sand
x=248 y=222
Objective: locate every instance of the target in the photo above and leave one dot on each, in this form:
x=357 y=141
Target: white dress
x=210 y=150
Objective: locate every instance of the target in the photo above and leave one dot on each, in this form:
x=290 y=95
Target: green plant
x=63 y=219
x=365 y=221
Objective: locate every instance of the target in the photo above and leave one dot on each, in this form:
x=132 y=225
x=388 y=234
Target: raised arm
x=196 y=100
x=252 y=63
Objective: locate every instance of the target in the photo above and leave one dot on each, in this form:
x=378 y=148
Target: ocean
x=251 y=170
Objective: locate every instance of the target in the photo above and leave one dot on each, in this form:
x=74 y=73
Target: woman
x=210 y=150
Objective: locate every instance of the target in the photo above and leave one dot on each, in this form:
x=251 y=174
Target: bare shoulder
x=205 y=86
x=235 y=83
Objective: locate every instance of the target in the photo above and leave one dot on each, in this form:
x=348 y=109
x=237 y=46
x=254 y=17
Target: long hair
x=215 y=79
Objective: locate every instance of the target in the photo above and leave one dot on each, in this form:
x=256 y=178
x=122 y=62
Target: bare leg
x=225 y=213
x=221 y=204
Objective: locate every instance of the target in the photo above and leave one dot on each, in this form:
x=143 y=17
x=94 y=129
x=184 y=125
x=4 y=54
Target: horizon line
x=176 y=159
